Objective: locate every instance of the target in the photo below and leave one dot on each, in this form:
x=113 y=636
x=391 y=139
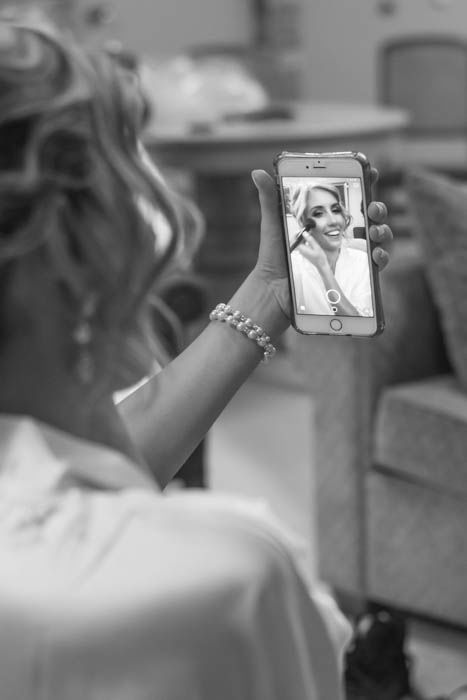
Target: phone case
x=366 y=168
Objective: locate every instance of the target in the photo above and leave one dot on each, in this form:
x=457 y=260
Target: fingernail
x=381 y=207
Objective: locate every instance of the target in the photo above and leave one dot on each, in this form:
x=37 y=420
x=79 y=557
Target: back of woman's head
x=75 y=189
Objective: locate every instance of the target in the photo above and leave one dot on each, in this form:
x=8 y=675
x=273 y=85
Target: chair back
x=427 y=76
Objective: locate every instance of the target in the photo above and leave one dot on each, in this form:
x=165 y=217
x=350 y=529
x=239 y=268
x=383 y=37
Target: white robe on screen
x=352 y=273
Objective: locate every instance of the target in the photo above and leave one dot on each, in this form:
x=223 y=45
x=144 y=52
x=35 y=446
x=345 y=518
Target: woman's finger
x=381 y=258
x=381 y=234
x=374 y=176
x=310 y=241
x=378 y=212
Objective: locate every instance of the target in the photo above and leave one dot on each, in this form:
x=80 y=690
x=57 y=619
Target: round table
x=221 y=158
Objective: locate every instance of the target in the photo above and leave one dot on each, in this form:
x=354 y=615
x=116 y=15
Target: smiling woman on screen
x=331 y=275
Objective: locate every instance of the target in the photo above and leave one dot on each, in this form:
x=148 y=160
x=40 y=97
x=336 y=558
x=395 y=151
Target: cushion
x=417 y=425
x=439 y=207
x=416 y=545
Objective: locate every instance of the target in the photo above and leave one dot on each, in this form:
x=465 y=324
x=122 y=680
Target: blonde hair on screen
x=300 y=202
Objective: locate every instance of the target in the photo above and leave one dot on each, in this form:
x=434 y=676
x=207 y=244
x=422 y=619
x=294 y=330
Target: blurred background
x=215 y=61
x=331 y=45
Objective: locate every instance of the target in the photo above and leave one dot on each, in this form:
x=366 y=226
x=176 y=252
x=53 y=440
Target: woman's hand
x=312 y=251
x=271 y=266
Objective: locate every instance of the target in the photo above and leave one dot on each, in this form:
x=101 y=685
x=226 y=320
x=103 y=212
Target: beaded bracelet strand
x=240 y=322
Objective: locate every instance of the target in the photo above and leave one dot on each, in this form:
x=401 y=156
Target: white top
x=111 y=590
x=352 y=275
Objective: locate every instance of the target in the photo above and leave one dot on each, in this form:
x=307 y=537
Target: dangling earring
x=82 y=336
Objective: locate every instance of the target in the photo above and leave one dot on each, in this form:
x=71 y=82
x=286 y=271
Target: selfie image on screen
x=328 y=248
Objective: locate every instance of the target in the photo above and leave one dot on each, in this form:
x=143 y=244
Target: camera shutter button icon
x=333 y=296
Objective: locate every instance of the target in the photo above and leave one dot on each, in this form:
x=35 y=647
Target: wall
x=163 y=28
x=340 y=37
x=340 y=40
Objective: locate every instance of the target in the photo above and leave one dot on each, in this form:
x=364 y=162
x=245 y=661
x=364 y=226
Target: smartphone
x=333 y=280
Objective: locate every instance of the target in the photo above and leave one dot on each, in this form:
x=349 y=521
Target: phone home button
x=335 y=324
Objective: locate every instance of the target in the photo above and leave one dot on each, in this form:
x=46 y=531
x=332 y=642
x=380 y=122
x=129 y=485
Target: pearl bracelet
x=240 y=322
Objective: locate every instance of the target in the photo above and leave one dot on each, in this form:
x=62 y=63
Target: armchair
x=391 y=439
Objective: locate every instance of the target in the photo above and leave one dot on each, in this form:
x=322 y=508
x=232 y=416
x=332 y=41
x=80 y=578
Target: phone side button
x=335 y=324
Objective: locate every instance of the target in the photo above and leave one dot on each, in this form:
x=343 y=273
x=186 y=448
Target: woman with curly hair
x=108 y=587
x=331 y=275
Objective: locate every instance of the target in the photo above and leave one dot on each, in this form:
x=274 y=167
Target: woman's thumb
x=263 y=181
x=267 y=199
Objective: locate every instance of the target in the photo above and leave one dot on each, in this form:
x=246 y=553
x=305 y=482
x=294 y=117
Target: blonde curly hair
x=75 y=187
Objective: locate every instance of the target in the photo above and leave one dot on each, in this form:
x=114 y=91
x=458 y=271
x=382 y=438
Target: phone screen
x=330 y=257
